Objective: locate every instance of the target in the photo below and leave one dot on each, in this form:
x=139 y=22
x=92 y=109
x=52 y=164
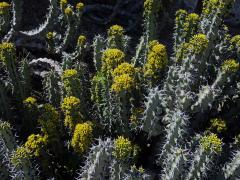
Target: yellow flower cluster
x=8 y=47
x=150 y=7
x=157 y=60
x=71 y=109
x=4 y=126
x=68 y=11
x=82 y=137
x=63 y=3
x=230 y=66
x=50 y=36
x=69 y=103
x=111 y=58
x=80 y=6
x=191 y=21
x=152 y=44
x=123 y=82
x=235 y=41
x=7 y=50
x=211 y=143
x=116 y=30
x=4 y=7
x=30 y=102
x=124 y=77
x=186 y=20
x=198 y=43
x=49 y=120
x=218 y=125
x=212 y=5
x=19 y=155
x=181 y=14
x=193 y=17
x=124 y=68
x=35 y=143
x=124 y=148
x=81 y=40
x=71 y=82
x=69 y=73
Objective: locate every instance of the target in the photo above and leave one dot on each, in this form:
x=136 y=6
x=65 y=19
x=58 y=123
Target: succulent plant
x=113 y=107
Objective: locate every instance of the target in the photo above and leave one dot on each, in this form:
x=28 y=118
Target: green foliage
x=49 y=120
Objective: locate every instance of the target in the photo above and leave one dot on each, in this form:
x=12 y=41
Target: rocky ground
x=101 y=14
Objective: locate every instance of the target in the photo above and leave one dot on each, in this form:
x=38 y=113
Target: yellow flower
x=63 y=3
x=82 y=137
x=218 y=125
x=230 y=66
x=124 y=68
x=212 y=5
x=19 y=155
x=157 y=60
x=7 y=50
x=151 y=7
x=81 y=40
x=8 y=47
x=4 y=7
x=148 y=5
x=193 y=17
x=79 y=6
x=211 y=143
x=123 y=83
x=50 y=35
x=235 y=40
x=116 y=30
x=35 y=143
x=69 y=73
x=190 y=22
x=68 y=11
x=111 y=59
x=181 y=14
x=199 y=43
x=123 y=148
x=4 y=126
x=30 y=102
x=69 y=103
x=152 y=44
x=71 y=82
x=71 y=109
